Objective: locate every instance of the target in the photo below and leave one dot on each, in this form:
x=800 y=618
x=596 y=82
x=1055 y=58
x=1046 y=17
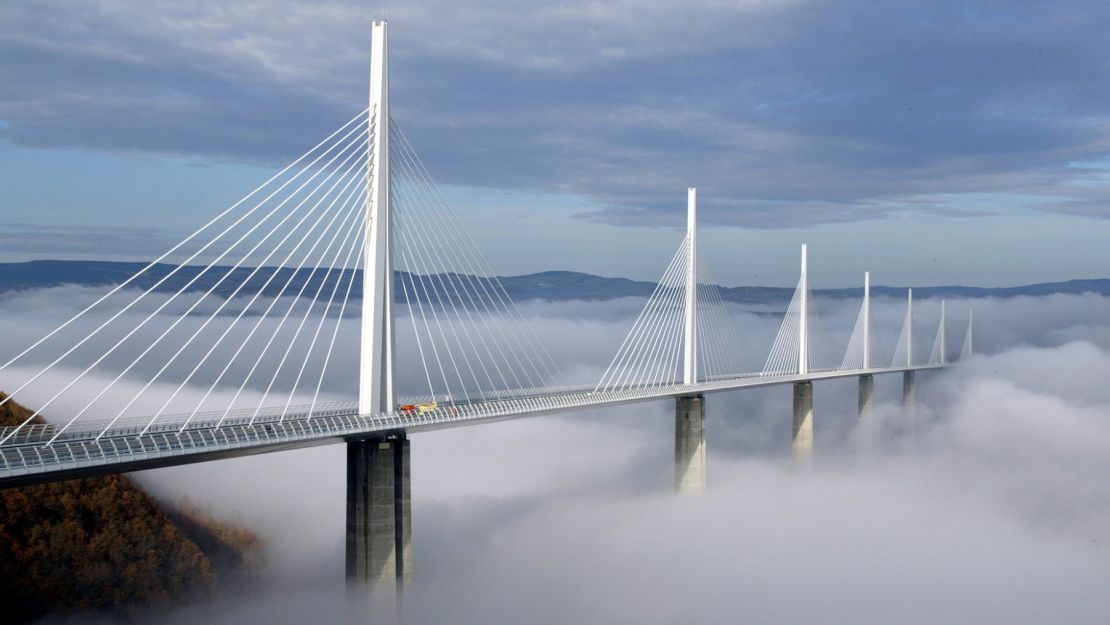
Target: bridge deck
x=29 y=458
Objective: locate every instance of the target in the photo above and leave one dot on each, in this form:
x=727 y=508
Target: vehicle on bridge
x=417 y=408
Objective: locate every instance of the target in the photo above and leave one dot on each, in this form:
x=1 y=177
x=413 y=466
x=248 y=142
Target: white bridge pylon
x=858 y=354
x=471 y=341
x=246 y=319
x=684 y=332
x=793 y=349
x=377 y=356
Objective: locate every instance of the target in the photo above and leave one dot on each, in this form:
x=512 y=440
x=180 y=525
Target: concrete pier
x=909 y=390
x=379 y=515
x=909 y=404
x=689 y=444
x=866 y=395
x=865 y=427
x=803 y=421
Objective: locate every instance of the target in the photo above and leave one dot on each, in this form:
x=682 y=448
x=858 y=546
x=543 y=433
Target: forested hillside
x=102 y=544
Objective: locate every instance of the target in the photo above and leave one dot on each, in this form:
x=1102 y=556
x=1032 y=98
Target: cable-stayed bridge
x=245 y=337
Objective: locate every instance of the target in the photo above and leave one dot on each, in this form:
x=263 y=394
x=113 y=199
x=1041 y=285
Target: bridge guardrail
x=128 y=445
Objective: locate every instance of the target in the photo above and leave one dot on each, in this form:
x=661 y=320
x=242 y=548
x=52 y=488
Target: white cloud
x=997 y=513
x=789 y=120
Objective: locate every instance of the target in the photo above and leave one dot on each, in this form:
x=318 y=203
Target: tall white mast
x=375 y=392
x=803 y=321
x=909 y=328
x=867 y=320
x=690 y=363
x=970 y=336
x=943 y=333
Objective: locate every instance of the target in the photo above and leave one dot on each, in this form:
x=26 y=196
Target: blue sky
x=930 y=141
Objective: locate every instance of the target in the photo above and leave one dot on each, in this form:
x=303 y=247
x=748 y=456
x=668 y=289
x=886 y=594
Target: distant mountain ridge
x=546 y=285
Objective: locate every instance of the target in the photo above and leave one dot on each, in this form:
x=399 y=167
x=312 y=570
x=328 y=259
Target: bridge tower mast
x=943 y=332
x=803 y=390
x=803 y=319
x=375 y=389
x=970 y=331
x=690 y=363
x=909 y=327
x=909 y=380
x=867 y=380
x=867 y=320
x=689 y=433
x=379 y=500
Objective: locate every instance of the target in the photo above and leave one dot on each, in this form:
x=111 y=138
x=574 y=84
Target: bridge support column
x=379 y=515
x=689 y=444
x=909 y=403
x=803 y=421
x=865 y=427
x=909 y=390
x=866 y=395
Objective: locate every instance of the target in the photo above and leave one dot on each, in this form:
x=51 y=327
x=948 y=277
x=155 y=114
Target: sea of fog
x=989 y=505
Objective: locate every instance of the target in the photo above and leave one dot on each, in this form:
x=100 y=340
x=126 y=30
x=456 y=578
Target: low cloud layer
x=988 y=506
